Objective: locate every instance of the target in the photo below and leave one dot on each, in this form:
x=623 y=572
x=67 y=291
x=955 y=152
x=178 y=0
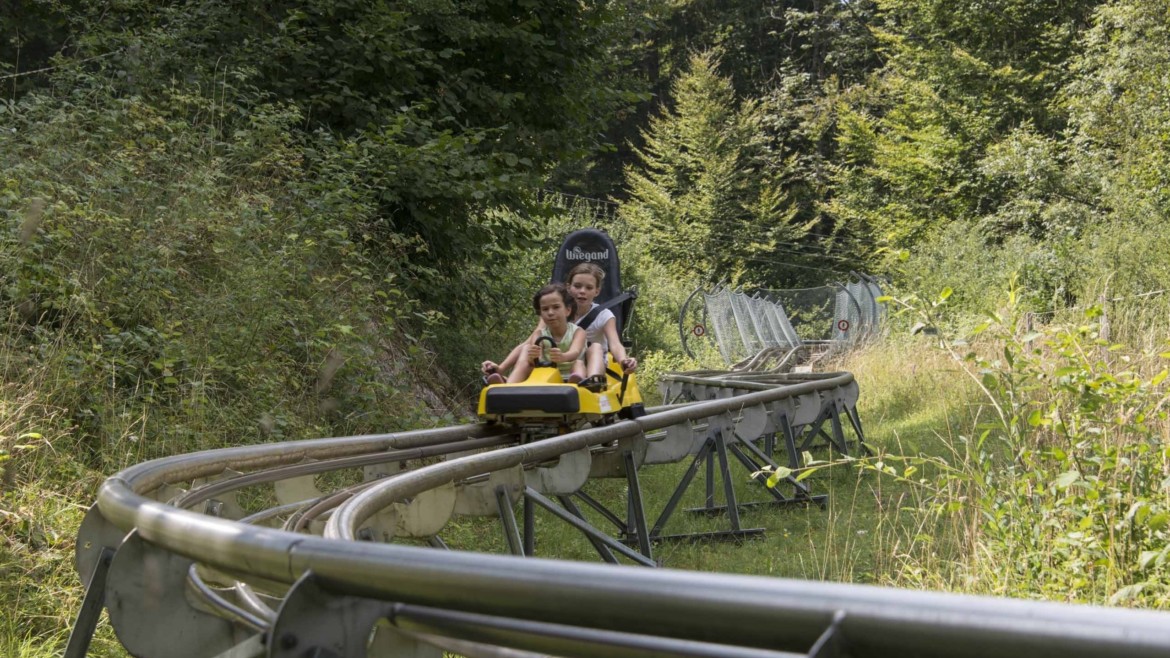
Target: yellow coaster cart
x=546 y=399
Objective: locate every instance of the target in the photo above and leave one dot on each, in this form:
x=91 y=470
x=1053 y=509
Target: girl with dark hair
x=554 y=305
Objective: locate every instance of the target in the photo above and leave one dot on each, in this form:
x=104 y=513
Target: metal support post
x=91 y=607
x=602 y=550
x=709 y=500
x=594 y=535
x=682 y=487
x=511 y=532
x=716 y=450
x=728 y=485
x=801 y=489
x=529 y=528
x=602 y=510
x=838 y=433
x=789 y=441
x=637 y=511
x=855 y=421
x=802 y=494
x=814 y=429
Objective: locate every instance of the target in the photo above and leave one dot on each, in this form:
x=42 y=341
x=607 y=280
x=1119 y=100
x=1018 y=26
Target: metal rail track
x=183 y=570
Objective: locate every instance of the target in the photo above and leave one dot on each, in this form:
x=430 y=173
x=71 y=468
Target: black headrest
x=590 y=245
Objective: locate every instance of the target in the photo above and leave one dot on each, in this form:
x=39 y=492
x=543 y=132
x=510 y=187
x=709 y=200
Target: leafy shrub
x=960 y=259
x=175 y=276
x=1061 y=492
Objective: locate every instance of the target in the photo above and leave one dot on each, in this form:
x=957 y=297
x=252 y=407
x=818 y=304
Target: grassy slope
x=863 y=532
x=857 y=538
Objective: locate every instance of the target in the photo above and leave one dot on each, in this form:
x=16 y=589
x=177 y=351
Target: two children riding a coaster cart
x=574 y=367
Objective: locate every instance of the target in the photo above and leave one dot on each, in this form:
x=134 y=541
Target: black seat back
x=595 y=246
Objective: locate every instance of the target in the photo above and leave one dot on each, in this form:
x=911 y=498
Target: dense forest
x=225 y=222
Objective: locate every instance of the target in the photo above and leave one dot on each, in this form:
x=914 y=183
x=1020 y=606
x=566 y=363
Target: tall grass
x=44 y=491
x=1053 y=484
x=1020 y=461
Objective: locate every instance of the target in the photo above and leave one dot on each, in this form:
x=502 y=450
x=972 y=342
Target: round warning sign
x=843 y=325
x=699 y=330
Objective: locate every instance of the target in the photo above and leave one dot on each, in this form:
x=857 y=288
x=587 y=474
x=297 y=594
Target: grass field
x=860 y=535
x=913 y=515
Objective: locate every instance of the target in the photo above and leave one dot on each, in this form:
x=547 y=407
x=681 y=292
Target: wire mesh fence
x=742 y=325
x=595 y=211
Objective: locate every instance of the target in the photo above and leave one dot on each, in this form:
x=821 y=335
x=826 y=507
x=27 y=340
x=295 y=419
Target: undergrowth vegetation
x=1052 y=478
x=221 y=227
x=169 y=286
x=192 y=272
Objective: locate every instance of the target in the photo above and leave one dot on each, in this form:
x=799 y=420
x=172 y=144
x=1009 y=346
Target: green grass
x=880 y=525
x=1032 y=468
x=866 y=531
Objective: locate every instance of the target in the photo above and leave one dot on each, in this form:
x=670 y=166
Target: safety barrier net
x=742 y=324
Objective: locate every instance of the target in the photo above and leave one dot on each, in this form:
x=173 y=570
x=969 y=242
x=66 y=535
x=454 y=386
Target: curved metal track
x=285 y=550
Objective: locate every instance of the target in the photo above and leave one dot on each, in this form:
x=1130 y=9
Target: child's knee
x=520 y=372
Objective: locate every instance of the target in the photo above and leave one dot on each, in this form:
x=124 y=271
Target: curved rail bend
x=166 y=573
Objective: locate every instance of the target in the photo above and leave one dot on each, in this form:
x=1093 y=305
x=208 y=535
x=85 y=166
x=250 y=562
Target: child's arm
x=574 y=351
x=522 y=348
x=628 y=363
x=488 y=367
x=510 y=361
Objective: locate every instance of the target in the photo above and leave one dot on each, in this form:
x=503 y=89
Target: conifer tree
x=702 y=192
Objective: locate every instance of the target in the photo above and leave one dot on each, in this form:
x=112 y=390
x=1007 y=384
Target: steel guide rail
x=137 y=554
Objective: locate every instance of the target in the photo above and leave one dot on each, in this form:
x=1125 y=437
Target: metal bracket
x=831 y=643
x=149 y=608
x=95 y=535
x=313 y=621
x=479 y=498
x=568 y=475
x=253 y=647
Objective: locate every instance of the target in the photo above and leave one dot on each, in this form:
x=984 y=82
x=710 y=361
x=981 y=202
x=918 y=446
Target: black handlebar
x=543 y=362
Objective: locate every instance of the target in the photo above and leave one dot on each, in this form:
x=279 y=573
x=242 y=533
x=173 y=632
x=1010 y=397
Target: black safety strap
x=589 y=317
